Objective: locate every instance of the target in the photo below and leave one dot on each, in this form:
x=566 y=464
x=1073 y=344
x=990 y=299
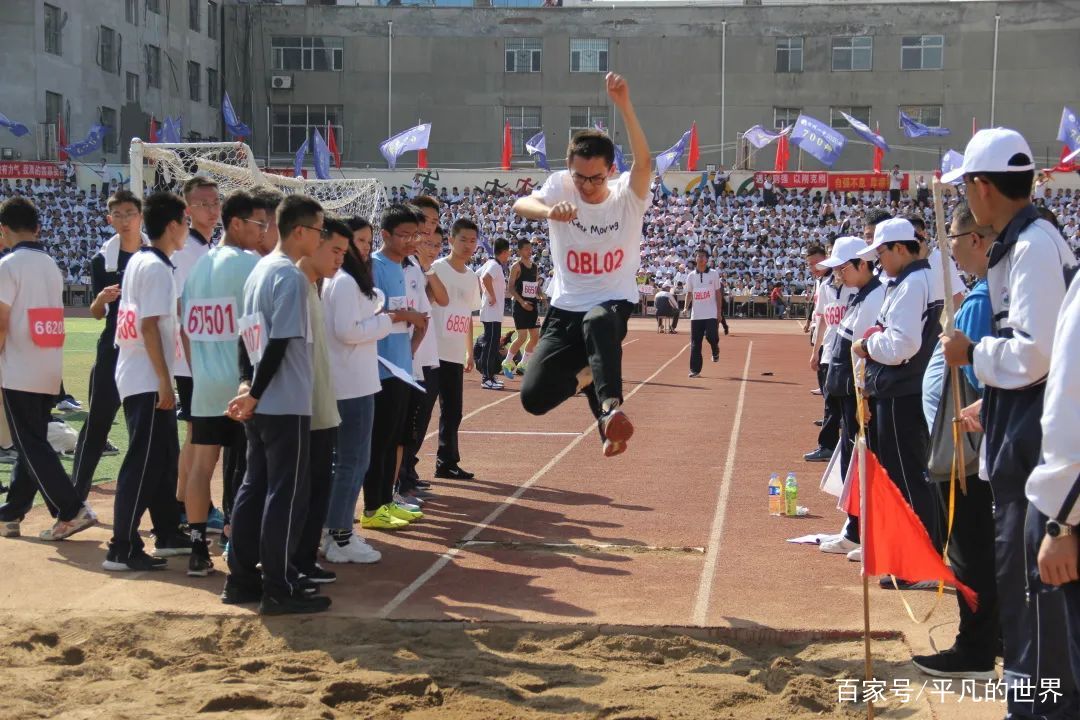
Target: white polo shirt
x=32 y=285
x=703 y=287
x=492 y=312
x=184 y=261
x=147 y=291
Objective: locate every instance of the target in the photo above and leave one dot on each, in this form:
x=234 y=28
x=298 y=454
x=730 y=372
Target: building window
x=292 y=124
x=588 y=55
x=212 y=92
x=585 y=117
x=852 y=53
x=153 y=6
x=131 y=11
x=212 y=20
x=784 y=117
x=922 y=52
x=307 y=53
x=53 y=28
x=54 y=107
x=108 y=119
x=929 y=115
x=194 y=12
x=524 y=123
x=523 y=55
x=132 y=88
x=859 y=112
x=789 y=52
x=153 y=66
x=194 y=81
x=107 y=49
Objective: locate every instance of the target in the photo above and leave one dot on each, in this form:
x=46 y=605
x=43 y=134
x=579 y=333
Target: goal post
x=167 y=166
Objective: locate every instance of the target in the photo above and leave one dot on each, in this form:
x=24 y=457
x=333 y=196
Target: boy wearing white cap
x=897 y=357
x=860 y=313
x=1029 y=266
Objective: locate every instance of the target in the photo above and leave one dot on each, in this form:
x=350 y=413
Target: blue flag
x=322 y=157
x=232 y=123
x=90 y=143
x=17 y=129
x=171 y=129
x=412 y=139
x=671 y=156
x=915 y=129
x=951 y=161
x=818 y=140
x=537 y=147
x=298 y=161
x=1068 y=131
x=759 y=137
x=620 y=161
x=863 y=130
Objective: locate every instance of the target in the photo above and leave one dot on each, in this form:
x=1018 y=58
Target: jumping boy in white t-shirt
x=595 y=227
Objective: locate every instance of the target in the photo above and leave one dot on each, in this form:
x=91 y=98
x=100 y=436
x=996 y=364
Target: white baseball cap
x=887 y=231
x=844 y=249
x=989 y=151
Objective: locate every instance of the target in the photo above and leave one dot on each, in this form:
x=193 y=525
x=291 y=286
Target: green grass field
x=79 y=353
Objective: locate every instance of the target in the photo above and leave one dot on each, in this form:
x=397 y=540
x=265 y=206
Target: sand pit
x=157 y=666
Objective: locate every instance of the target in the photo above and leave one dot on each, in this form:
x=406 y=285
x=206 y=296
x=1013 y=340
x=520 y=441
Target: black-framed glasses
x=588 y=179
x=323 y=232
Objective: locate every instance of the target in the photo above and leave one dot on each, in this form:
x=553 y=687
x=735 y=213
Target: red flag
x=894 y=539
x=508 y=148
x=421 y=158
x=153 y=130
x=61 y=138
x=1063 y=166
x=879 y=156
x=694 y=155
x=331 y=145
x=781 y=154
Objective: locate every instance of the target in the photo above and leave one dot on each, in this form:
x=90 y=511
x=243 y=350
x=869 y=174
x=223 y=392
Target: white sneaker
x=491 y=385
x=403 y=502
x=838 y=546
x=357 y=551
x=855 y=555
x=66 y=528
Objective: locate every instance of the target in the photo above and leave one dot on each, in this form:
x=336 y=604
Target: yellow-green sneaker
x=508 y=368
x=381 y=519
x=396 y=511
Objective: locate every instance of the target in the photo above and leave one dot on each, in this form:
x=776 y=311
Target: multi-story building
x=114 y=62
x=370 y=70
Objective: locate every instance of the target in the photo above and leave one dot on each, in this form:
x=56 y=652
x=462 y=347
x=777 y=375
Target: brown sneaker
x=615 y=429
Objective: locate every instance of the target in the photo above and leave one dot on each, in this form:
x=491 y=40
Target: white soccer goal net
x=166 y=166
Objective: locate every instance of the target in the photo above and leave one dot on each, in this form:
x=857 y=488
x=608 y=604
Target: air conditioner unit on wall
x=281 y=82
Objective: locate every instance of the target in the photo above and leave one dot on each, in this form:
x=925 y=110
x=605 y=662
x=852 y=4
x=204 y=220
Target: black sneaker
x=173 y=545
x=716 y=358
x=423 y=484
x=199 y=563
x=297 y=603
x=110 y=449
x=452 y=472
x=319 y=576
x=819 y=422
x=953 y=663
x=307 y=586
x=819 y=455
x=137 y=561
x=241 y=593
x=886 y=583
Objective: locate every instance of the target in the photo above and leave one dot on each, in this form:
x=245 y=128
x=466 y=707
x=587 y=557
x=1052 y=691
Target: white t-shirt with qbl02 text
x=492 y=312
x=32 y=286
x=147 y=292
x=453 y=323
x=596 y=255
x=702 y=287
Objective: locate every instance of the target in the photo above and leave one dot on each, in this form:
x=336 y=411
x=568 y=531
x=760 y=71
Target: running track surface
x=674 y=532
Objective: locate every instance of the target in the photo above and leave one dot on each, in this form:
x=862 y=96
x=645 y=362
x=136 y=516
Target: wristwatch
x=1055 y=529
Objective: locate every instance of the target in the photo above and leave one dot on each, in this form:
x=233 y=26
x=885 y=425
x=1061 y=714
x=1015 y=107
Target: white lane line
x=512 y=432
x=444 y=559
x=475 y=412
x=629 y=342
x=708 y=572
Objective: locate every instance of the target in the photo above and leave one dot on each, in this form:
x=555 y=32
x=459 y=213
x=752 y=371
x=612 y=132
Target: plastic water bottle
x=791 y=496
x=776 y=502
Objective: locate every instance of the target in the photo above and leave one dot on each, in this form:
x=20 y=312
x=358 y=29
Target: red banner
x=863 y=181
x=286 y=172
x=33 y=170
x=793 y=179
